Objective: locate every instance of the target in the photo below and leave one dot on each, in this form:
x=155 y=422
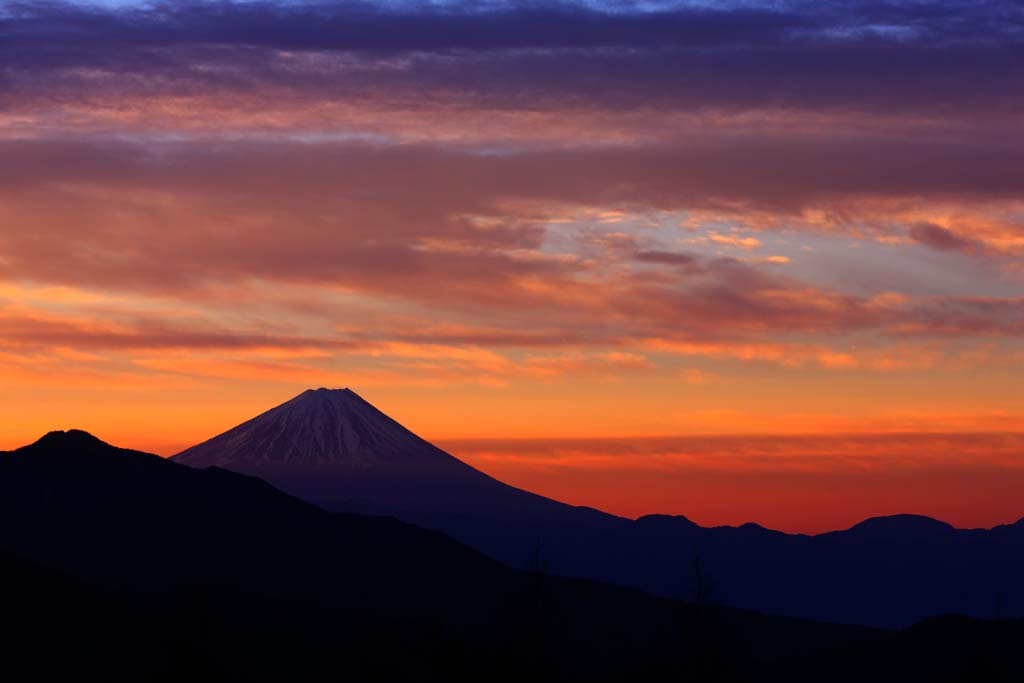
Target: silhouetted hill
x=332 y=448
x=137 y=520
x=898 y=528
x=61 y=628
x=244 y=577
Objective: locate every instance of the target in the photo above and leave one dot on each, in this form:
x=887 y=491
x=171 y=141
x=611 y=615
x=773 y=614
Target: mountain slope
x=334 y=449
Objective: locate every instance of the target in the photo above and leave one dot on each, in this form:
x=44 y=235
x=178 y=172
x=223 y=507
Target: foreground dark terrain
x=119 y=565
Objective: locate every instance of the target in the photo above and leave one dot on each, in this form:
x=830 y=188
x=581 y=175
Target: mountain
x=332 y=448
x=318 y=429
x=897 y=528
x=119 y=565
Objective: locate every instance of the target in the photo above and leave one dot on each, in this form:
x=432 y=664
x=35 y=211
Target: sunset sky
x=738 y=261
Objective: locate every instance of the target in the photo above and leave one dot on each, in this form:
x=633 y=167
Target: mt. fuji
x=331 y=447
x=319 y=428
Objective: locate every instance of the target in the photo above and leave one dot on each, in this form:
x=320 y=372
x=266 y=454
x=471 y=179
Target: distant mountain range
x=332 y=448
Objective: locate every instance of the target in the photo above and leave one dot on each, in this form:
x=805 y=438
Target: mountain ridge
x=82 y=437
x=883 y=572
x=886 y=523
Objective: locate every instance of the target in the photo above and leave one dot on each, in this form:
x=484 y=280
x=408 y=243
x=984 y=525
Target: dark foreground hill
x=136 y=520
x=61 y=628
x=122 y=565
x=333 y=448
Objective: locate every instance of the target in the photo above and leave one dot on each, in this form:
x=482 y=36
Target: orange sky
x=806 y=484
x=839 y=471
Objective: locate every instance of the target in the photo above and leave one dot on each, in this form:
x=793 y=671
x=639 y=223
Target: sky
x=737 y=261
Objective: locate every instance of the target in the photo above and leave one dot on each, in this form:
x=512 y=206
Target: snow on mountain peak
x=318 y=428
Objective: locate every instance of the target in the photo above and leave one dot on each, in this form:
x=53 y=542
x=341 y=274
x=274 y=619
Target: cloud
x=534 y=74
x=670 y=258
x=938 y=237
x=750 y=454
x=697 y=376
x=33 y=330
x=461 y=236
x=736 y=241
x=461 y=243
x=385 y=198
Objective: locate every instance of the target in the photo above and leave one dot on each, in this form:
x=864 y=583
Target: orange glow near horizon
x=800 y=484
x=829 y=476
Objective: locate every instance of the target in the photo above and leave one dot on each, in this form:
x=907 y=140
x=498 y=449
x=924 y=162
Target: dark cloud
x=938 y=237
x=671 y=258
x=960 y=59
x=394 y=27
x=785 y=173
x=908 y=449
x=28 y=332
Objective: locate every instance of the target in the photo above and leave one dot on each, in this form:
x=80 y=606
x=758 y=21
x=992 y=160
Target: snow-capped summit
x=332 y=448
x=317 y=428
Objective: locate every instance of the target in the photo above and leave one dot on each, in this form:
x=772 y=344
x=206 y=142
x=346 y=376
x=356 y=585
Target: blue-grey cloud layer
x=934 y=59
